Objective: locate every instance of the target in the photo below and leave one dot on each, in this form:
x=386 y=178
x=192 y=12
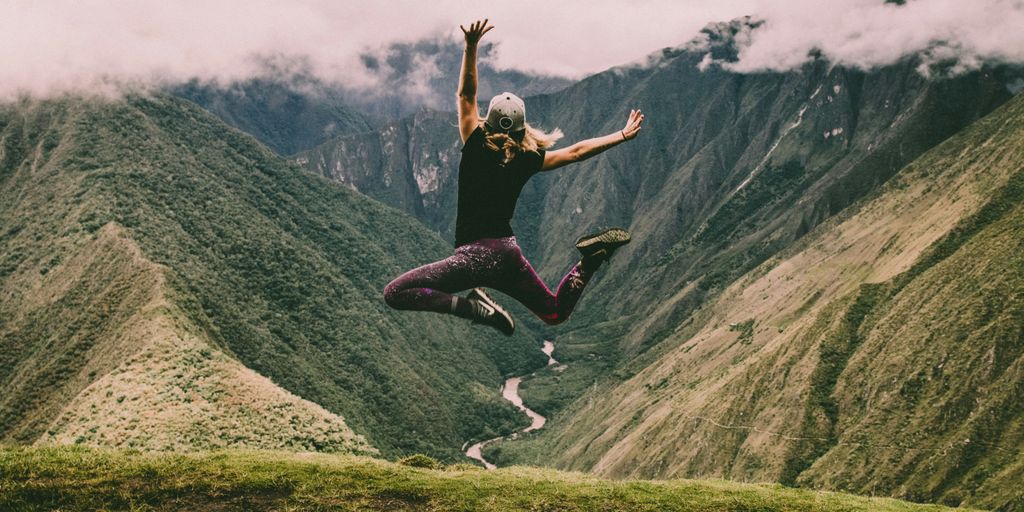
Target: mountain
x=730 y=167
x=291 y=110
x=881 y=353
x=730 y=176
x=410 y=164
x=288 y=115
x=169 y=283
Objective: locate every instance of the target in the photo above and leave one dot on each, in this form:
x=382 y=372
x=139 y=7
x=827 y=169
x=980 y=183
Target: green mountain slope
x=77 y=479
x=112 y=361
x=132 y=227
x=286 y=115
x=880 y=354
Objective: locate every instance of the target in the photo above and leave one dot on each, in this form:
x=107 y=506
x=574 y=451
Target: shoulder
x=475 y=139
x=532 y=161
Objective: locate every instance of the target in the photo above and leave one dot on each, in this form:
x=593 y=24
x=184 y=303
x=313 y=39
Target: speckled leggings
x=496 y=263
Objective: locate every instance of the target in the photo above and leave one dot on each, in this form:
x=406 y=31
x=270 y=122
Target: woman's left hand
x=636 y=119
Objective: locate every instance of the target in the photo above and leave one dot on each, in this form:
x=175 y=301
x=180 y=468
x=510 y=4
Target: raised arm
x=585 y=149
x=469 y=117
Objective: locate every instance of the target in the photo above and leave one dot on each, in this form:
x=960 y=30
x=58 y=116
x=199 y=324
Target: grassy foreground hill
x=80 y=479
x=169 y=283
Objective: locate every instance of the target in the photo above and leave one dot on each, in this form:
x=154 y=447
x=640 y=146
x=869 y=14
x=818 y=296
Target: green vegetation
x=746 y=330
x=420 y=461
x=836 y=348
x=79 y=479
x=887 y=358
x=249 y=256
x=764 y=190
x=821 y=412
x=277 y=113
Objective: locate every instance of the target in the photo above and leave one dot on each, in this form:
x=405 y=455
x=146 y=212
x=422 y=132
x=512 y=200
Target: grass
x=72 y=478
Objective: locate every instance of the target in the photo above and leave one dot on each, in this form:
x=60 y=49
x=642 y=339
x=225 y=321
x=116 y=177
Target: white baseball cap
x=506 y=113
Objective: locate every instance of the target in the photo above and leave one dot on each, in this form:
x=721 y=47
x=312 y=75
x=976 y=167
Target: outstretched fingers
x=633 y=124
x=476 y=30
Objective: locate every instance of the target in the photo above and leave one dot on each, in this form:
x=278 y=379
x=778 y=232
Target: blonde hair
x=532 y=140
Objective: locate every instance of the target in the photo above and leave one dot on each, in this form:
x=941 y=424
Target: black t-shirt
x=488 y=190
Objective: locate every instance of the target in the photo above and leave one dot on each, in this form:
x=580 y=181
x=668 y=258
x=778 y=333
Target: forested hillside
x=145 y=243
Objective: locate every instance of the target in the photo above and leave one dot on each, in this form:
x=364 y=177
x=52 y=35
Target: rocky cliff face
x=411 y=165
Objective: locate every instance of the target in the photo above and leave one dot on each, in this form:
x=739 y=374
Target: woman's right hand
x=475 y=32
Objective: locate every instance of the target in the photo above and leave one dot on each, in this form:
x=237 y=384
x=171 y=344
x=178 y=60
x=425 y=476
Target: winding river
x=510 y=392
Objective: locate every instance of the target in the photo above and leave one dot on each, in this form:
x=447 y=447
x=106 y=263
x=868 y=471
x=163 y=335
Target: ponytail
x=531 y=139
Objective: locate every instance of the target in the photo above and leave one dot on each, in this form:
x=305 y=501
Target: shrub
x=420 y=461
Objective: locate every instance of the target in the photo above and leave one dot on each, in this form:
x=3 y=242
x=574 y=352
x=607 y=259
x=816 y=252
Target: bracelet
x=623 y=135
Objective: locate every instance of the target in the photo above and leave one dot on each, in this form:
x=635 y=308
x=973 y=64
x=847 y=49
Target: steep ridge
x=879 y=354
x=169 y=390
x=145 y=244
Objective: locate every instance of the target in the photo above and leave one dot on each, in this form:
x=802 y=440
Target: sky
x=56 y=46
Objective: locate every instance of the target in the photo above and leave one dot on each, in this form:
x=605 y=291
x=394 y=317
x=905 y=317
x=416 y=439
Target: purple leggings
x=496 y=263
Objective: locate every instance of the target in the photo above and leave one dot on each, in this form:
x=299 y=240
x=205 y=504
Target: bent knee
x=553 y=319
x=391 y=294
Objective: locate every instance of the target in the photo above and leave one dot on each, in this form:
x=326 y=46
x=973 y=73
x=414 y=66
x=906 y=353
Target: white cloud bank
x=870 y=33
x=54 y=46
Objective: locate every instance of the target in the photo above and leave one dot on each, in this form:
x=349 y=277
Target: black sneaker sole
x=480 y=295
x=609 y=239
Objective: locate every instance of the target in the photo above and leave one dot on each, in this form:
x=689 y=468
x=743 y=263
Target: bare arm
x=469 y=116
x=585 y=149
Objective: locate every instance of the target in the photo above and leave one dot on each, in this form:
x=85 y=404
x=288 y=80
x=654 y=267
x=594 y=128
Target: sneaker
x=486 y=311
x=602 y=244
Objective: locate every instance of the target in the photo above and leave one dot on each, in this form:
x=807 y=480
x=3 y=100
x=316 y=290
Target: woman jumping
x=500 y=153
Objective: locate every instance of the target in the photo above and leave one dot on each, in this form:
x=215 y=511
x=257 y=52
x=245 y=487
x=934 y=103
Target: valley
x=510 y=392
x=822 y=294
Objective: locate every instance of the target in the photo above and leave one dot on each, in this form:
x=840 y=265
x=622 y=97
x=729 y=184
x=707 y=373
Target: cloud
x=60 y=45
x=868 y=33
x=55 y=46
